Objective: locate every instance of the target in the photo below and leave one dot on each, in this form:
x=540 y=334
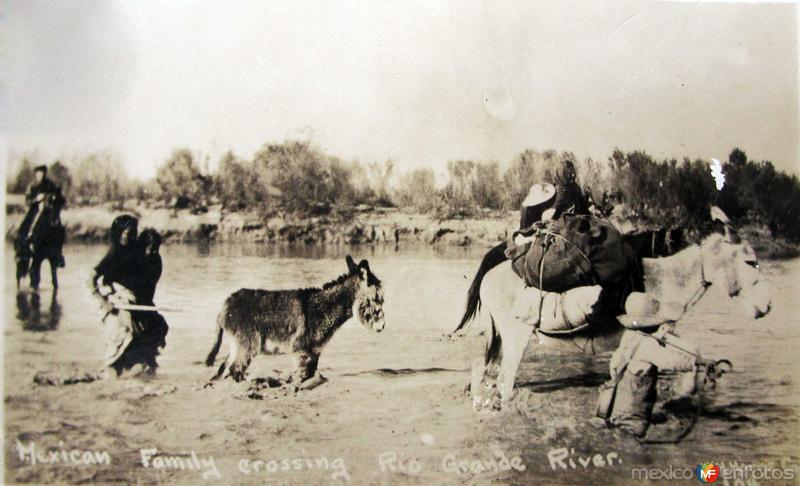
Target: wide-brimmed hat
x=538 y=194
x=641 y=311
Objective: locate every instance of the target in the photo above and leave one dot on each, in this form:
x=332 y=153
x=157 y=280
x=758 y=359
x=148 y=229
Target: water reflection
x=333 y=250
x=29 y=311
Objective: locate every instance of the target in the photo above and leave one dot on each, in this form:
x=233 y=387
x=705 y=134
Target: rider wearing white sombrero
x=538 y=201
x=548 y=201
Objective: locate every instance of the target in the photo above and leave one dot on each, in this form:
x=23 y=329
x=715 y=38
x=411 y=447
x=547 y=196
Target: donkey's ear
x=351 y=264
x=363 y=264
x=728 y=231
x=732 y=235
x=719 y=227
x=719 y=215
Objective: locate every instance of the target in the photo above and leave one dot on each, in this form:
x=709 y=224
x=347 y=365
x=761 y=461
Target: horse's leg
x=482 y=387
x=20 y=269
x=35 y=271
x=21 y=258
x=516 y=336
x=512 y=309
x=53 y=271
x=494 y=349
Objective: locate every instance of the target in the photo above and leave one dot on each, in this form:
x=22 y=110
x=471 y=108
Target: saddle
x=569 y=252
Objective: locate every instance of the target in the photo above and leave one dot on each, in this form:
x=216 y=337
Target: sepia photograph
x=387 y=243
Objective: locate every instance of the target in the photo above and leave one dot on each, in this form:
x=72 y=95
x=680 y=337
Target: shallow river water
x=393 y=409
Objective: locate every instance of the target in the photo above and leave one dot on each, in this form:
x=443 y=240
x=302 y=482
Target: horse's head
x=730 y=263
x=368 y=305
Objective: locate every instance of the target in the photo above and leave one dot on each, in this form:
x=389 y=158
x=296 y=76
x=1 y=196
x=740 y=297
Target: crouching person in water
x=627 y=401
x=126 y=276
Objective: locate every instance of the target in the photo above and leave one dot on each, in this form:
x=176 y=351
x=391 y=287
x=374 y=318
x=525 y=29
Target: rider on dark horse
x=46 y=201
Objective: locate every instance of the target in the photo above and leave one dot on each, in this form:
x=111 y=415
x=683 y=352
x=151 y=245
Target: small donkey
x=302 y=319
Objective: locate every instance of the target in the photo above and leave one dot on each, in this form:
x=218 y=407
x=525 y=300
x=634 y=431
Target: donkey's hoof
x=238 y=376
x=267 y=382
x=312 y=382
x=290 y=387
x=485 y=397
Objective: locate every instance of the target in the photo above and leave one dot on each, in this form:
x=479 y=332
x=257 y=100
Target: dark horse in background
x=42 y=240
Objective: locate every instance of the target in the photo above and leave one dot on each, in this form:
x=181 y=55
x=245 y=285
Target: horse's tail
x=493 y=257
x=493 y=346
x=212 y=355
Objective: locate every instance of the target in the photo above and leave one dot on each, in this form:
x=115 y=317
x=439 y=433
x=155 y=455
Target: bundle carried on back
x=569 y=252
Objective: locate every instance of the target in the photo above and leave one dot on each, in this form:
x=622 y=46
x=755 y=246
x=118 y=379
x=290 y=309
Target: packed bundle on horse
x=569 y=252
x=559 y=312
x=722 y=262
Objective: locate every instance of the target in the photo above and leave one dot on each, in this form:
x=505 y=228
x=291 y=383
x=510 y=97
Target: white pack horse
x=722 y=264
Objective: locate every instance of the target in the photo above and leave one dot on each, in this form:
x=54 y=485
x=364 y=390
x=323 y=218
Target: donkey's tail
x=493 y=257
x=214 y=350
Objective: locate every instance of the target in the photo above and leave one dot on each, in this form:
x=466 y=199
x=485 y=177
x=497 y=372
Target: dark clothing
x=151 y=273
x=569 y=195
x=48 y=188
x=124 y=264
x=533 y=214
x=144 y=347
x=54 y=201
x=128 y=266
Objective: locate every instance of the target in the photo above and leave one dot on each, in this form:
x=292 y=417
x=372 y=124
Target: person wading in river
x=126 y=276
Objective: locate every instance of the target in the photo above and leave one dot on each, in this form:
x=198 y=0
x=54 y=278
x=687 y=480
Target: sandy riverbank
x=91 y=223
x=393 y=410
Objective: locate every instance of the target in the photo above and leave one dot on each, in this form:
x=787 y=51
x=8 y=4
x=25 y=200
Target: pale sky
x=418 y=82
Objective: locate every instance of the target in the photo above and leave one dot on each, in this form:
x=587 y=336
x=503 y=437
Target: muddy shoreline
x=351 y=226
x=90 y=224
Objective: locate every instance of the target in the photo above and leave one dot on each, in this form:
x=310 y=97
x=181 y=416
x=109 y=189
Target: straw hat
x=641 y=310
x=538 y=194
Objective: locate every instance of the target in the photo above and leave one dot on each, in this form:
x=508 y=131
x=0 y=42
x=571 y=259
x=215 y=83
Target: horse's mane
x=696 y=242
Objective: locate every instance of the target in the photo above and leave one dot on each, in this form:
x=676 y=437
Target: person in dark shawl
x=151 y=269
x=128 y=275
x=569 y=197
